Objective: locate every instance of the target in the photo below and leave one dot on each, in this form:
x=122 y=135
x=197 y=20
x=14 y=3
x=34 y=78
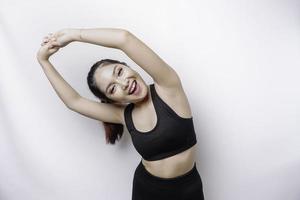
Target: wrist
x=77 y=34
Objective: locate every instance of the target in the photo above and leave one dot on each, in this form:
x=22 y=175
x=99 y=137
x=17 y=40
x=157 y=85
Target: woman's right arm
x=79 y=104
x=73 y=100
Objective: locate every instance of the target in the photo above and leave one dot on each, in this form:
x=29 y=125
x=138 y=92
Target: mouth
x=132 y=87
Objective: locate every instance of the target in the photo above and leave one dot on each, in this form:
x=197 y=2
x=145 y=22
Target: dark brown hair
x=113 y=131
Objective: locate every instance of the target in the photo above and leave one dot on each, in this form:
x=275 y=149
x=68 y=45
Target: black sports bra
x=171 y=135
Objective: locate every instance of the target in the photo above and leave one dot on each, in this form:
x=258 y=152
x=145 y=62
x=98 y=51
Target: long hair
x=113 y=131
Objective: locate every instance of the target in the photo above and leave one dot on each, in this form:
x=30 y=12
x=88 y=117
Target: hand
x=48 y=47
x=63 y=37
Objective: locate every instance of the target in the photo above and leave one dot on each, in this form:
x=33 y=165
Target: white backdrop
x=239 y=64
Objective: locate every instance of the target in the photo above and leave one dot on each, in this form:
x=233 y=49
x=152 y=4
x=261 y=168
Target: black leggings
x=149 y=187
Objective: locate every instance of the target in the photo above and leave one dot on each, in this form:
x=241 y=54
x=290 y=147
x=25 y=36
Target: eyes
x=118 y=73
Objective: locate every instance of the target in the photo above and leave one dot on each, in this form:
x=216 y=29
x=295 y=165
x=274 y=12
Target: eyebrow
x=113 y=73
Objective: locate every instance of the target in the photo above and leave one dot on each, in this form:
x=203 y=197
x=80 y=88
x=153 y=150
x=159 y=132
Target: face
x=115 y=81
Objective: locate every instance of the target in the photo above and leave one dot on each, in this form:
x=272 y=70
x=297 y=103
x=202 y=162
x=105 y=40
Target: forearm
x=65 y=92
x=107 y=37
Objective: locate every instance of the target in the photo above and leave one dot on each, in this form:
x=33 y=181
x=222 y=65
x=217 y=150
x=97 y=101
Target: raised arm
x=77 y=103
x=96 y=110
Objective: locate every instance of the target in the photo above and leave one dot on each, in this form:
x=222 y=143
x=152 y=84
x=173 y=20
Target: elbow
x=71 y=104
x=124 y=38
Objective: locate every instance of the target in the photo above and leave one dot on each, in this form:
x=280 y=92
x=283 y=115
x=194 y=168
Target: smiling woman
x=157 y=116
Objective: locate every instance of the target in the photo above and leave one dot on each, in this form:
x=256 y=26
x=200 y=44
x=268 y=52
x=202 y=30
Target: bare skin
x=144 y=116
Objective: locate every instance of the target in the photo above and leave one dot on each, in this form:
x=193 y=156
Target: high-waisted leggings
x=147 y=186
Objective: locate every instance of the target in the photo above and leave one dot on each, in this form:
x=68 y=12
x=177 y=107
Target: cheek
x=120 y=94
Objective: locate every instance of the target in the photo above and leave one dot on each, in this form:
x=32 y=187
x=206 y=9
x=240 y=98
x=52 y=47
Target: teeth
x=133 y=87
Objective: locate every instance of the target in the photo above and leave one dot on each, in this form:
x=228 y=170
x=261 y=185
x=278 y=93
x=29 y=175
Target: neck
x=145 y=101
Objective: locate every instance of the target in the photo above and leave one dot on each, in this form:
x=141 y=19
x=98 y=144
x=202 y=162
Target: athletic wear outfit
x=171 y=135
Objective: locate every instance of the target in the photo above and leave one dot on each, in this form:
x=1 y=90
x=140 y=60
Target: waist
x=172 y=166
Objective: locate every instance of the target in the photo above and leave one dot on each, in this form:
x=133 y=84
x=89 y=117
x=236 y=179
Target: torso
x=180 y=163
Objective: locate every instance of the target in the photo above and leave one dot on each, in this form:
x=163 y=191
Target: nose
x=124 y=83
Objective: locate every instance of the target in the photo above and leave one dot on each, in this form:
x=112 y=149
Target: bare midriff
x=173 y=166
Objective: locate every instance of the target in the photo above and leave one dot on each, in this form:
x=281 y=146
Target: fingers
x=53 y=44
x=51 y=40
x=48 y=38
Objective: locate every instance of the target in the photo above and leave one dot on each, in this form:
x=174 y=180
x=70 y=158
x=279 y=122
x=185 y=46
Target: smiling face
x=116 y=81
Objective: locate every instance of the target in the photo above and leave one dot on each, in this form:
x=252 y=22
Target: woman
x=157 y=116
